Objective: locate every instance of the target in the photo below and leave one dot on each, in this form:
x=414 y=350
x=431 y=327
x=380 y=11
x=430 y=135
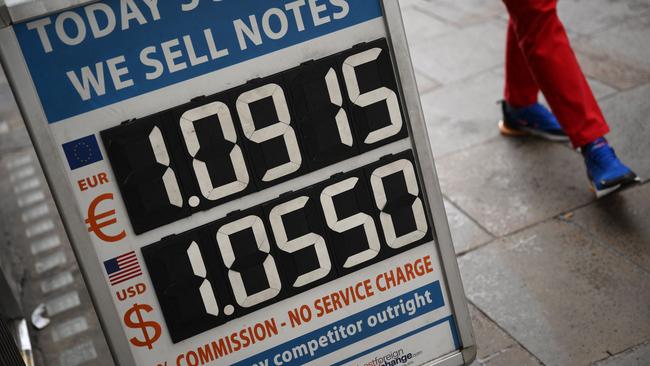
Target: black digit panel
x=252 y=259
x=187 y=276
x=321 y=107
x=397 y=194
x=285 y=126
x=225 y=146
x=271 y=137
x=356 y=240
x=372 y=89
x=298 y=228
x=246 y=247
x=210 y=142
x=146 y=172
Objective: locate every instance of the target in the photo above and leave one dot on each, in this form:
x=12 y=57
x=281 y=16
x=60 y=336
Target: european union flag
x=82 y=152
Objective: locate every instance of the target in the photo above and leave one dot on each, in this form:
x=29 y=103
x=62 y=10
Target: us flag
x=122 y=268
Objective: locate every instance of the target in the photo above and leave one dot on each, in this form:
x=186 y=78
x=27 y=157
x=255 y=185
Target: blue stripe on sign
x=206 y=30
x=436 y=301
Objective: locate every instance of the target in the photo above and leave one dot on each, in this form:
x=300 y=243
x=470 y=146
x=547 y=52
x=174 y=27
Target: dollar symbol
x=139 y=323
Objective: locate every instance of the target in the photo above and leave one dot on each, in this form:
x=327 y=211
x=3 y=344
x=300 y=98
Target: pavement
x=553 y=276
x=42 y=261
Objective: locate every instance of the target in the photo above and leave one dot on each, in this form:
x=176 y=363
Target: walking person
x=539 y=57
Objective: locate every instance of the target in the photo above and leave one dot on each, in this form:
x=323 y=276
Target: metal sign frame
x=54 y=168
x=424 y=155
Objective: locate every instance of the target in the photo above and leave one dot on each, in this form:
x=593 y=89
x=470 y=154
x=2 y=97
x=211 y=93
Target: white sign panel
x=240 y=182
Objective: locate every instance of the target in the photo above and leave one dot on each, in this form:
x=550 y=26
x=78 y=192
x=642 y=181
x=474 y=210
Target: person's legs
x=522 y=114
x=521 y=89
x=546 y=50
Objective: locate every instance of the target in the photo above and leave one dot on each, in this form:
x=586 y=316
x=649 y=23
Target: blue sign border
x=437 y=301
x=61 y=100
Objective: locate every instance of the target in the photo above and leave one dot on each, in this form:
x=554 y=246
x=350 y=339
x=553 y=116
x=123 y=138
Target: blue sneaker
x=606 y=173
x=535 y=120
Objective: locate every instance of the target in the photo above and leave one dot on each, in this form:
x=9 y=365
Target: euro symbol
x=94 y=226
x=139 y=323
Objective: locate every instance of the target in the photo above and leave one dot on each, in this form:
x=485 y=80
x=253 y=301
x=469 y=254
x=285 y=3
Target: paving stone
x=489 y=337
x=610 y=70
x=628 y=114
x=512 y=356
x=8 y=107
x=13 y=136
x=63 y=303
x=50 y=262
x=48 y=265
x=464 y=113
x=449 y=12
x=600 y=89
x=407 y=3
x=442 y=59
x=78 y=355
x=45 y=244
x=39 y=228
x=491 y=33
x=637 y=356
x=18 y=161
x=35 y=212
x=57 y=282
x=420 y=25
x=4 y=127
x=588 y=16
x=465 y=233
x=483 y=7
x=566 y=298
x=69 y=328
x=510 y=183
x=425 y=83
x=27 y=185
x=628 y=43
x=462 y=13
x=622 y=221
x=23 y=173
x=30 y=198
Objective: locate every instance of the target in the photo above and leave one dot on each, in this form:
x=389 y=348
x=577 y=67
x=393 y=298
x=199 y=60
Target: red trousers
x=539 y=56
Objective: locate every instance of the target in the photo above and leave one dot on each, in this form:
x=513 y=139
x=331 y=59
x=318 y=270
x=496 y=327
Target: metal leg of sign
x=424 y=154
x=29 y=105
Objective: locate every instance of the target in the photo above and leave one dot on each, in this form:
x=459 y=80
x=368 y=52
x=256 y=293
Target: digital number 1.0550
x=231 y=267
